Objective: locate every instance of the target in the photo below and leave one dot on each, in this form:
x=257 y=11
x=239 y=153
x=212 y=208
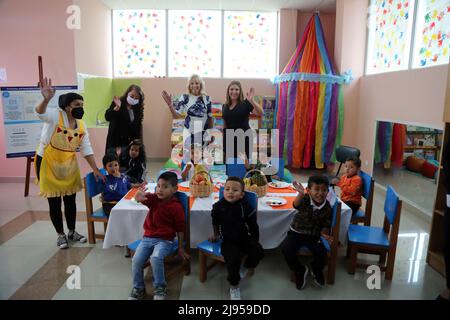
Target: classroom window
x=250 y=44
x=211 y=43
x=194 y=43
x=389 y=38
x=432 y=36
x=139 y=42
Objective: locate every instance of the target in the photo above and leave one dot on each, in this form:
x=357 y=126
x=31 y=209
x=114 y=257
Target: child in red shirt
x=351 y=184
x=164 y=220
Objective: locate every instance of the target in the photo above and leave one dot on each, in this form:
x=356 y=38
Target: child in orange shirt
x=351 y=184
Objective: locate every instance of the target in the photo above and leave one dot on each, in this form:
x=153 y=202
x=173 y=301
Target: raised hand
x=167 y=98
x=140 y=196
x=117 y=103
x=251 y=94
x=48 y=92
x=298 y=187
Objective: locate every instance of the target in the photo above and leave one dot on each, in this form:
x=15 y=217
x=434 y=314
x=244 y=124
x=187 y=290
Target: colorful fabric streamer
x=309 y=102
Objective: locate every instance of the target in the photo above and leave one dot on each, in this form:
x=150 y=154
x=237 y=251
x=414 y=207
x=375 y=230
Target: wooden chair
x=185 y=265
x=93 y=188
x=207 y=249
x=376 y=240
x=332 y=249
x=365 y=215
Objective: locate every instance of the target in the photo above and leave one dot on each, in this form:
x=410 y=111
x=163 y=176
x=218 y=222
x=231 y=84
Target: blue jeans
x=157 y=250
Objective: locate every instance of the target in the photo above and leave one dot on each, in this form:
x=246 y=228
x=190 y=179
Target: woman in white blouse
x=56 y=163
x=196 y=105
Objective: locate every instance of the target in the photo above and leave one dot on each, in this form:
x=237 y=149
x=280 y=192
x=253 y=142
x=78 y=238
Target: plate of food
x=279 y=184
x=275 y=201
x=184 y=184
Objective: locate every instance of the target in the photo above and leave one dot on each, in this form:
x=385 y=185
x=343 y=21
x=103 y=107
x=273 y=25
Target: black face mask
x=77 y=113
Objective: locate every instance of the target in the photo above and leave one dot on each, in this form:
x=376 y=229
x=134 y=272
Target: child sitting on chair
x=312 y=220
x=116 y=184
x=134 y=164
x=234 y=221
x=195 y=159
x=351 y=184
x=164 y=220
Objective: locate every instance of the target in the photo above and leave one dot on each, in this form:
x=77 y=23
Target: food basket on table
x=255 y=181
x=201 y=184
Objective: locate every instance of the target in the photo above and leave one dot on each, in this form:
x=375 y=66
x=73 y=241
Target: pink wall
x=328 y=24
x=350 y=48
x=28 y=29
x=287 y=40
x=93 y=41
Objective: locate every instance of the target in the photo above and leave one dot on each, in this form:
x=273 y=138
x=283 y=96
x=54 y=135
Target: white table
x=127 y=219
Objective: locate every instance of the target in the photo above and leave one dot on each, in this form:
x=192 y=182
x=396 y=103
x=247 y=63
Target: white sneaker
x=235 y=293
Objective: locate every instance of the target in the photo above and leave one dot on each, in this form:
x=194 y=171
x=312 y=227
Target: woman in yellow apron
x=56 y=162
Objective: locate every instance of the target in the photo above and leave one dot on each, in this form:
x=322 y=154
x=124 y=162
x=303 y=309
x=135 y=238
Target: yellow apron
x=59 y=174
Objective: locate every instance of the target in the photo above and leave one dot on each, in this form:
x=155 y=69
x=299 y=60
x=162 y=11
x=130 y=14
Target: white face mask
x=131 y=101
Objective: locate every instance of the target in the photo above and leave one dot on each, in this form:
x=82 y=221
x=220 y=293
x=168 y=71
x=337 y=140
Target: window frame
x=412 y=44
x=222 y=35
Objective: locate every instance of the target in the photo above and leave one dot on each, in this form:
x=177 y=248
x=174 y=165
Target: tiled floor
x=30 y=259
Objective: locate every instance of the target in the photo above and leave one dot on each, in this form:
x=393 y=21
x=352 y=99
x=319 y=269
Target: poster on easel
x=22 y=126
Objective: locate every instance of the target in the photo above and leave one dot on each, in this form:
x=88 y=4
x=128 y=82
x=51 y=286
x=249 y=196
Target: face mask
x=131 y=101
x=77 y=113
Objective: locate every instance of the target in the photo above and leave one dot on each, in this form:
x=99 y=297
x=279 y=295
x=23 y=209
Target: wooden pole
x=41 y=70
x=31 y=159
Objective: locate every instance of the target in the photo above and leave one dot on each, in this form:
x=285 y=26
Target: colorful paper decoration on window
x=194 y=43
x=139 y=43
x=432 y=43
x=389 y=41
x=250 y=44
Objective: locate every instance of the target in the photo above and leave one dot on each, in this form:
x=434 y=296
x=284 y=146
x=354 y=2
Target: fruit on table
x=258 y=179
x=201 y=178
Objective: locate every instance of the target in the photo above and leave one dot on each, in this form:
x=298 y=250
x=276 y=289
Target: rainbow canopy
x=309 y=102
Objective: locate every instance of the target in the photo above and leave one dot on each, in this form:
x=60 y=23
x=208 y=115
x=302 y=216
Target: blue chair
x=235 y=168
x=279 y=165
x=365 y=215
x=331 y=248
x=376 y=240
x=207 y=249
x=93 y=188
x=186 y=265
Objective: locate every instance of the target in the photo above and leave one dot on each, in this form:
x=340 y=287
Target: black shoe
x=318 y=277
x=300 y=277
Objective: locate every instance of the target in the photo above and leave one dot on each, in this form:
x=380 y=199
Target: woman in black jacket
x=125 y=117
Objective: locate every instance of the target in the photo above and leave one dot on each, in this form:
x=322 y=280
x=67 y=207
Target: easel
x=27 y=177
x=32 y=158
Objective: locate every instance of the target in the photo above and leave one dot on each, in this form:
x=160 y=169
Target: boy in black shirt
x=234 y=221
x=312 y=220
